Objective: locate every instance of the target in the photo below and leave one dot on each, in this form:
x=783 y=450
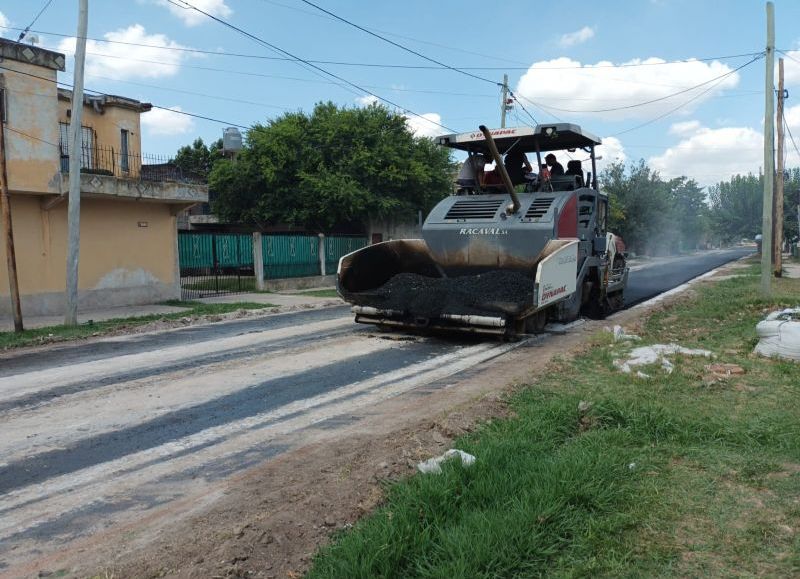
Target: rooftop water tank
x=231 y=140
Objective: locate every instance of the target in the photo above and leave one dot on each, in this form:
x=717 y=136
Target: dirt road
x=139 y=453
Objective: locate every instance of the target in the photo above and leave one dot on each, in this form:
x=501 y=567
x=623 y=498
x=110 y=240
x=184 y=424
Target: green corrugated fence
x=336 y=247
x=209 y=250
x=290 y=255
x=284 y=255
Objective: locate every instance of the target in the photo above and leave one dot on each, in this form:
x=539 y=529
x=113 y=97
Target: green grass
x=62 y=333
x=672 y=476
x=322 y=293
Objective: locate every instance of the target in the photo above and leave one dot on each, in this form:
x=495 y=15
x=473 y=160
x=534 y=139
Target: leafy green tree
x=689 y=213
x=736 y=207
x=639 y=206
x=336 y=165
x=196 y=160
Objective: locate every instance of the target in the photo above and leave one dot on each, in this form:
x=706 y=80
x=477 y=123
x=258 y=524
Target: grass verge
x=50 y=334
x=683 y=474
x=321 y=293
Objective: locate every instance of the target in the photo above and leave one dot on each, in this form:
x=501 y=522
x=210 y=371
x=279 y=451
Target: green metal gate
x=215 y=264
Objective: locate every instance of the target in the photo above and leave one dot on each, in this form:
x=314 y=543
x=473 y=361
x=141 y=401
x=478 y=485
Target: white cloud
x=792 y=116
x=425 y=127
x=163 y=122
x=684 y=128
x=124 y=61
x=192 y=17
x=713 y=155
x=367 y=100
x=4 y=23
x=612 y=151
x=791 y=67
x=588 y=90
x=577 y=37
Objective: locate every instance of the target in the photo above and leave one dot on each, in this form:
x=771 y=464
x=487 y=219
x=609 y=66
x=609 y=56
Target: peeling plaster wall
x=121 y=262
x=32 y=108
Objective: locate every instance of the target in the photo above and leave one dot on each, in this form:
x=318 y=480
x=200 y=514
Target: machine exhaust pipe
x=498 y=162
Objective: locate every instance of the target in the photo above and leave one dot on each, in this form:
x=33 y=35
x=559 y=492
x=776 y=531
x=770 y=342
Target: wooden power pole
x=11 y=258
x=769 y=156
x=75 y=150
x=777 y=206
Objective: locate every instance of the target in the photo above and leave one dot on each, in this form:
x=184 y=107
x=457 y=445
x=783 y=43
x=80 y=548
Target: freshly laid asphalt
x=647 y=281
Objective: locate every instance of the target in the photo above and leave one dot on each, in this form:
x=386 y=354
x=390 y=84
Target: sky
x=586 y=62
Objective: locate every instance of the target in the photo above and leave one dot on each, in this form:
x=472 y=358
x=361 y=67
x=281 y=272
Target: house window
x=87 y=147
x=123 y=150
x=2 y=105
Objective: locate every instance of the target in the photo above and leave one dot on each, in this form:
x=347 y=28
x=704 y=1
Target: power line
x=23 y=133
x=522 y=106
x=655 y=100
x=178 y=112
x=386 y=65
x=791 y=137
x=398 y=45
x=307 y=63
x=438 y=45
x=282 y=77
x=683 y=104
x=28 y=27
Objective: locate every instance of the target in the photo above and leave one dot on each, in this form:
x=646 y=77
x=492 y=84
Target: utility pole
x=769 y=156
x=74 y=214
x=11 y=258
x=504 y=103
x=777 y=207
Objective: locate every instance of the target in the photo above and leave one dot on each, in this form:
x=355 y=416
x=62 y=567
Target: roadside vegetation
x=682 y=474
x=319 y=293
x=38 y=336
x=680 y=215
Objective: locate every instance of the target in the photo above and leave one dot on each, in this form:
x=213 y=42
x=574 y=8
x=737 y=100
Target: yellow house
x=128 y=247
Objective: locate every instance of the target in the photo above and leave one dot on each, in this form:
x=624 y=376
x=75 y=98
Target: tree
x=198 y=159
x=336 y=165
x=736 y=207
x=639 y=206
x=689 y=213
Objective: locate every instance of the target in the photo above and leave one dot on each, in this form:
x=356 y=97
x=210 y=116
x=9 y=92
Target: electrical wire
x=23 y=133
x=305 y=62
x=28 y=27
x=789 y=56
x=184 y=113
x=655 y=100
x=383 y=65
x=791 y=137
x=282 y=77
x=398 y=45
x=683 y=104
x=522 y=106
x=436 y=44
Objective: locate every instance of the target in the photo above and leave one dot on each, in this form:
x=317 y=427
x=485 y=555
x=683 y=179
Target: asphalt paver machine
x=504 y=260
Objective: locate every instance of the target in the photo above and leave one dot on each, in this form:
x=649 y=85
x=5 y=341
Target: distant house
x=129 y=203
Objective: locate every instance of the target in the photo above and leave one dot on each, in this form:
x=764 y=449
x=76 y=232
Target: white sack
x=779 y=335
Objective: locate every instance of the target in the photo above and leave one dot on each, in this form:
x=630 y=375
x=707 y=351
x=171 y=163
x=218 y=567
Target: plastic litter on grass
x=656 y=354
x=434 y=465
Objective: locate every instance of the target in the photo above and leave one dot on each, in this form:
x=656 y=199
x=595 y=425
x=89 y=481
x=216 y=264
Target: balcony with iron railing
x=106 y=171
